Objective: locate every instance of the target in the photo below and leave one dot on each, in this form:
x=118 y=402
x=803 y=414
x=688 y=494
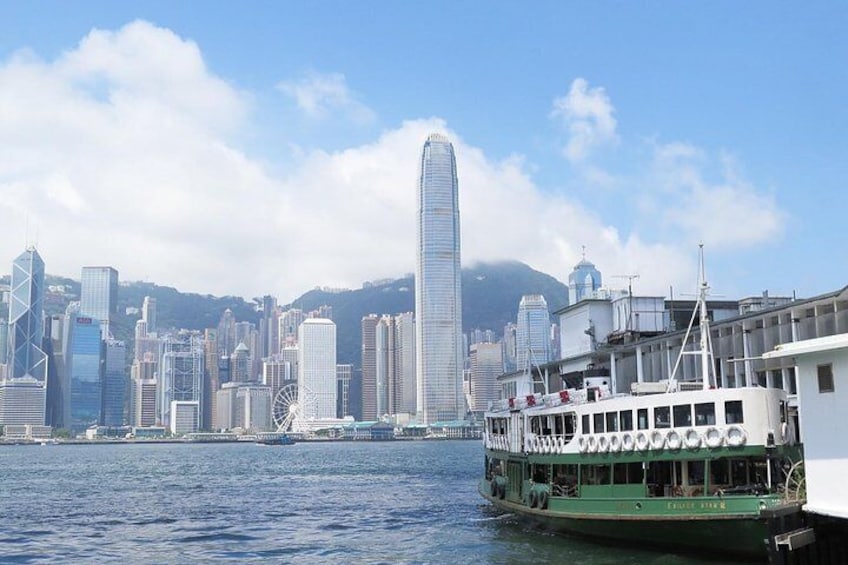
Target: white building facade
x=317 y=366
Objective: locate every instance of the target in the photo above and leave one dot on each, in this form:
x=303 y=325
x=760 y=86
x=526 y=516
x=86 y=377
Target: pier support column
x=639 y=374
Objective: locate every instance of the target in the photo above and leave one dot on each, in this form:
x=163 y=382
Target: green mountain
x=490 y=296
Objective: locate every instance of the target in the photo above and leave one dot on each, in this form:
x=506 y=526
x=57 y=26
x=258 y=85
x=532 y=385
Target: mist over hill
x=490 y=296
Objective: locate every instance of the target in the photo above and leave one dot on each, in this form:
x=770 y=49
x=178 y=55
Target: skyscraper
x=99 y=295
x=317 y=366
x=82 y=354
x=533 y=332
x=438 y=300
x=369 y=367
x=583 y=280
x=486 y=366
x=114 y=382
x=181 y=373
x=148 y=313
x=23 y=392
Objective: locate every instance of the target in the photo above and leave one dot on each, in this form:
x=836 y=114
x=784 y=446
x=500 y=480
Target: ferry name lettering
x=681 y=506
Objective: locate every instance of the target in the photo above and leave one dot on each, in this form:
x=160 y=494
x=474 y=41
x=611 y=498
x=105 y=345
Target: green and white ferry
x=674 y=464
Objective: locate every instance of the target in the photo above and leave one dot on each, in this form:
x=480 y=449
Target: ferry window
x=612 y=421
x=696 y=473
x=642 y=418
x=627 y=473
x=627 y=420
x=682 y=415
x=705 y=414
x=662 y=418
x=733 y=412
x=598 y=424
x=570 y=423
x=584 y=424
x=558 y=425
x=535 y=427
x=825 y=373
x=595 y=475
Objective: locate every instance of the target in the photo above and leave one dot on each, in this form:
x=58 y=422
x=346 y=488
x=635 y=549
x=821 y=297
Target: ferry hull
x=739 y=535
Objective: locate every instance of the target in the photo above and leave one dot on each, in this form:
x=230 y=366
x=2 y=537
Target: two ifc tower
x=438 y=288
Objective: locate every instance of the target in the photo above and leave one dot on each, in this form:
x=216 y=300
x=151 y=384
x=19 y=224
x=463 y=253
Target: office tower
x=317 y=366
x=211 y=381
x=180 y=373
x=22 y=401
x=369 y=367
x=227 y=333
x=404 y=393
x=255 y=400
x=56 y=379
x=509 y=347
x=145 y=396
x=82 y=353
x=26 y=330
x=240 y=364
x=438 y=300
x=4 y=340
x=343 y=375
x=486 y=366
x=278 y=372
x=99 y=296
x=533 y=332
x=269 y=330
x=145 y=342
x=583 y=281
x=185 y=417
x=148 y=313
x=114 y=382
x=384 y=346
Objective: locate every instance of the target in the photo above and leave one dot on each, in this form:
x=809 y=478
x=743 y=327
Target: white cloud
x=588 y=114
x=121 y=152
x=319 y=95
x=710 y=203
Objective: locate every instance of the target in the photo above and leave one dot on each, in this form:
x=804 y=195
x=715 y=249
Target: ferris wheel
x=294 y=406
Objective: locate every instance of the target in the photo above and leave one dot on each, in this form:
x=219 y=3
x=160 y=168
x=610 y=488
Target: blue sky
x=282 y=138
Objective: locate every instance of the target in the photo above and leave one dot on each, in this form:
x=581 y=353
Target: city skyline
x=601 y=137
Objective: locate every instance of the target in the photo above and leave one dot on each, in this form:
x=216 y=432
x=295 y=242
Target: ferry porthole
x=641 y=441
x=673 y=440
x=713 y=437
x=692 y=439
x=657 y=439
x=615 y=443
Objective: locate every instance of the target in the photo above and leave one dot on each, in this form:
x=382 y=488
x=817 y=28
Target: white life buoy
x=603 y=444
x=582 y=444
x=627 y=442
x=642 y=441
x=692 y=439
x=561 y=445
x=657 y=439
x=549 y=444
x=713 y=438
x=673 y=441
x=592 y=446
x=615 y=443
x=735 y=436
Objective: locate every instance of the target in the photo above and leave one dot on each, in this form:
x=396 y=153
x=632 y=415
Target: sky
x=272 y=147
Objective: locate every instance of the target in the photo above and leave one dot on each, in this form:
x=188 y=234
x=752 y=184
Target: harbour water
x=398 y=502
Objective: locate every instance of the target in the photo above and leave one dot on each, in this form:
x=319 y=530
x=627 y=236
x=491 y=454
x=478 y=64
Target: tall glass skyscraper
x=26 y=324
x=82 y=354
x=99 y=295
x=438 y=300
x=533 y=333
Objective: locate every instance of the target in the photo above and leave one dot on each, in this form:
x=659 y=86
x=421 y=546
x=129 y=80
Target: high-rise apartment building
x=99 y=296
x=317 y=366
x=486 y=366
x=438 y=299
x=369 y=367
x=533 y=332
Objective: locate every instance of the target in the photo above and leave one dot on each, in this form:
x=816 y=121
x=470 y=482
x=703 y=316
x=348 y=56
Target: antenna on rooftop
x=630 y=279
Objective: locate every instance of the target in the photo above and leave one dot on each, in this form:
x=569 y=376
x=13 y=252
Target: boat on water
x=275 y=439
x=671 y=464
